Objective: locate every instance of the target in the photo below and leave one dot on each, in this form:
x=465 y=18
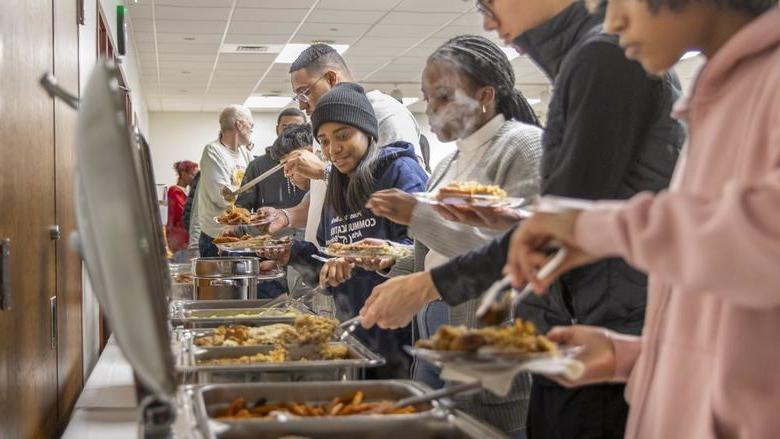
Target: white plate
x=490 y=357
x=398 y=251
x=475 y=200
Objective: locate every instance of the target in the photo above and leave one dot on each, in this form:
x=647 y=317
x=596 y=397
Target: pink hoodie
x=708 y=362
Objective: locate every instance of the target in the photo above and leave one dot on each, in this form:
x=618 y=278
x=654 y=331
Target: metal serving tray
x=190 y=371
x=433 y=421
x=194 y=314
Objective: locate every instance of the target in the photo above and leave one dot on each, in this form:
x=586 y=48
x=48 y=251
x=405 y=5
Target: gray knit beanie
x=346 y=103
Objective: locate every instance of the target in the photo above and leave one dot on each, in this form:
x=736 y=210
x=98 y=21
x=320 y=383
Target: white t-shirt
x=396 y=122
x=219 y=166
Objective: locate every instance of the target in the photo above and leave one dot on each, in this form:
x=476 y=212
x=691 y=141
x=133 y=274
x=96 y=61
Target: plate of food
x=251 y=244
x=234 y=216
x=369 y=248
x=513 y=343
x=472 y=193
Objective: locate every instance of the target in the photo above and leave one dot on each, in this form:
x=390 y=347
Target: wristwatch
x=326 y=171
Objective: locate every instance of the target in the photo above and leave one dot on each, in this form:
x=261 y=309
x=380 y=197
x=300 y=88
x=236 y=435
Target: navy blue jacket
x=397 y=167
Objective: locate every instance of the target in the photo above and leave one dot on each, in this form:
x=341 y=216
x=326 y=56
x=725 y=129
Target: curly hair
x=184 y=167
x=292 y=138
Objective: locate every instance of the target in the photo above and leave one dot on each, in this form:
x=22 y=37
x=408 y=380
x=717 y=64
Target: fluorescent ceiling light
x=291 y=51
x=410 y=101
x=510 y=52
x=267 y=101
x=690 y=54
x=534 y=101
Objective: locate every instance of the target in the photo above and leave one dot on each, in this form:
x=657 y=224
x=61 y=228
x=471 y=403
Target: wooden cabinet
x=40 y=335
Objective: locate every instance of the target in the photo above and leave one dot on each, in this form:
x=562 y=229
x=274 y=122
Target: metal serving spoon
x=230 y=195
x=493 y=310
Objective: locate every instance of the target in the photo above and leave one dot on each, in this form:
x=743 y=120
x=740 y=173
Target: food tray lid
x=120 y=234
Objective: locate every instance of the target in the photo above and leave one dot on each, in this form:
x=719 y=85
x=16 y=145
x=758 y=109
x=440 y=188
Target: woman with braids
x=347 y=129
x=468 y=84
x=175 y=232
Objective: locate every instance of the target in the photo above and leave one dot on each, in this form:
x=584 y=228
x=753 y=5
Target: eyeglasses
x=484 y=9
x=303 y=96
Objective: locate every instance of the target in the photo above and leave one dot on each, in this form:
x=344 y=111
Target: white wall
x=175 y=136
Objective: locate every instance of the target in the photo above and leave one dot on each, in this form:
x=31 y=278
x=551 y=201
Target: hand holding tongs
x=430 y=396
x=230 y=195
x=349 y=327
x=492 y=310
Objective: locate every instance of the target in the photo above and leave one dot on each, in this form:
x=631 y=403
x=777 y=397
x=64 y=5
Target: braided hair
x=487 y=65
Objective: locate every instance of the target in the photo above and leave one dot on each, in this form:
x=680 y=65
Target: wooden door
x=68 y=268
x=28 y=373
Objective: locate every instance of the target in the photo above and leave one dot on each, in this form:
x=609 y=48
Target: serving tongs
x=428 y=397
x=230 y=195
x=349 y=327
x=283 y=299
x=493 y=310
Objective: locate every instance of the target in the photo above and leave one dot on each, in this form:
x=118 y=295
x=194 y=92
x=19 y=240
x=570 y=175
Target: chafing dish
x=432 y=421
x=191 y=370
x=213 y=313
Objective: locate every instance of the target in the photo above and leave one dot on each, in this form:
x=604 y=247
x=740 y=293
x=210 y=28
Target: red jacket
x=178 y=236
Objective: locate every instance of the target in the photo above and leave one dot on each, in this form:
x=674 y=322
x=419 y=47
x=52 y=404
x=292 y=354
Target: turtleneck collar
x=482 y=135
x=548 y=43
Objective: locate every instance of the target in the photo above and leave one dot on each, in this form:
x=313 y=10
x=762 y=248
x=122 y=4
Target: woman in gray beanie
x=346 y=127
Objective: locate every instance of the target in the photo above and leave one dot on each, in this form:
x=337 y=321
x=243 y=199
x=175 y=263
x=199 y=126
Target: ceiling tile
x=269 y=15
x=275 y=4
x=407 y=30
x=165 y=48
x=260 y=27
x=166 y=37
x=138 y=11
x=193 y=3
x=191 y=26
x=344 y=16
x=338 y=32
x=237 y=38
x=364 y=5
x=435 y=5
x=191 y=13
x=418 y=18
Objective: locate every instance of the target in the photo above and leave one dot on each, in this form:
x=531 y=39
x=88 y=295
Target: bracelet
x=286 y=215
x=326 y=172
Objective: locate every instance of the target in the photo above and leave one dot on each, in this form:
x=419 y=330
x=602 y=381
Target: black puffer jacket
x=609 y=135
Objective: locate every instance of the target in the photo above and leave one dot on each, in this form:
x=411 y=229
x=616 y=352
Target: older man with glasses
x=223 y=163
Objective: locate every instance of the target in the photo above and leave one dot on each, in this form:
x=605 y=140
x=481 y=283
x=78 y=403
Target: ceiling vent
x=252 y=48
